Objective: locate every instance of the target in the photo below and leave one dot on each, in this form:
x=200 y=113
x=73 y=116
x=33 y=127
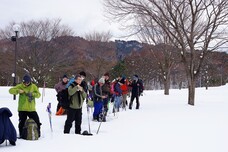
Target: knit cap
x=26 y=79
x=101 y=80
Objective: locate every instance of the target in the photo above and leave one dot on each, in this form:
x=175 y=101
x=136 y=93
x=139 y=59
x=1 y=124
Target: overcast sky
x=82 y=16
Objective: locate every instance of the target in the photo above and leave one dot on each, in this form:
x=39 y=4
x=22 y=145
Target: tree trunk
x=191 y=92
x=166 y=87
x=180 y=85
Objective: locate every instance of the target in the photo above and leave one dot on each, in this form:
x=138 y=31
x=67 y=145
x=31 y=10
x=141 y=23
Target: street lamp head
x=16 y=27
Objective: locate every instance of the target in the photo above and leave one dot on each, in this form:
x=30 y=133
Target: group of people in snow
x=97 y=94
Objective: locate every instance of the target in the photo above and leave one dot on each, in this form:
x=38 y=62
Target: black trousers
x=58 y=107
x=73 y=115
x=23 y=117
x=137 y=101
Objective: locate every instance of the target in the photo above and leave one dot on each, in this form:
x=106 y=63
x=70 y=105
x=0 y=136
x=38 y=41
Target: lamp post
x=16 y=28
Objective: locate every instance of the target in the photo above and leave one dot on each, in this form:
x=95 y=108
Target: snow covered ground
x=163 y=124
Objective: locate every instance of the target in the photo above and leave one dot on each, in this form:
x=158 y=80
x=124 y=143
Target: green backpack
x=30 y=130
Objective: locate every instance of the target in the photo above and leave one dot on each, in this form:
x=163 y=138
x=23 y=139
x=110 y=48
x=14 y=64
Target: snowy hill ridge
x=162 y=124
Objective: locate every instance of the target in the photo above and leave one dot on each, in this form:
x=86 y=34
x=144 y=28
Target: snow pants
x=117 y=102
x=137 y=101
x=73 y=115
x=98 y=105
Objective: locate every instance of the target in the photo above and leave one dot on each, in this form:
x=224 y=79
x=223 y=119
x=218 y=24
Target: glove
x=21 y=91
x=80 y=88
x=30 y=97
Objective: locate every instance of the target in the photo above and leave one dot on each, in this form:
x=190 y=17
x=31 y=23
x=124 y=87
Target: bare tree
x=166 y=57
x=164 y=52
x=189 y=25
x=36 y=50
x=5 y=64
x=44 y=30
x=100 y=51
x=98 y=36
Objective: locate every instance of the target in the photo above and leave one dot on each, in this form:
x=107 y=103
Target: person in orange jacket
x=124 y=89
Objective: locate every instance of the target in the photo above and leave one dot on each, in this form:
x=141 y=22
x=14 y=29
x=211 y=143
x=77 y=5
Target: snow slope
x=163 y=124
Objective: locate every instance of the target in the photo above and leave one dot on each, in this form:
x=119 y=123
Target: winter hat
x=123 y=76
x=101 y=80
x=82 y=73
x=92 y=82
x=106 y=74
x=26 y=79
x=135 y=77
x=65 y=76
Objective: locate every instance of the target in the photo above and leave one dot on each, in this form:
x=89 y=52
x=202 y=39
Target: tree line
x=47 y=50
x=194 y=28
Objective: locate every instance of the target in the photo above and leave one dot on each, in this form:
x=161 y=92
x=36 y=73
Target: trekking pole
x=88 y=118
x=114 y=109
x=43 y=92
x=103 y=115
x=49 y=114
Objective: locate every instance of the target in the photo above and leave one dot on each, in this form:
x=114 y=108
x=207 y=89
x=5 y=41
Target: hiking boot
x=104 y=119
x=12 y=143
x=137 y=107
x=113 y=111
x=60 y=112
x=100 y=117
x=94 y=119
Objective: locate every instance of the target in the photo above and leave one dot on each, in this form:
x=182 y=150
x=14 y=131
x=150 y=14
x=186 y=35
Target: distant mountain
x=223 y=49
x=125 y=48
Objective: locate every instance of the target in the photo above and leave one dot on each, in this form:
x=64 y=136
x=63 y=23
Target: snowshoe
x=86 y=133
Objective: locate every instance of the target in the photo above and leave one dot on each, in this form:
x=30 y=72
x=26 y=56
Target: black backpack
x=141 y=87
x=64 y=98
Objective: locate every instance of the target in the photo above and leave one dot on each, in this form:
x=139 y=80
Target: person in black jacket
x=137 y=89
x=7 y=130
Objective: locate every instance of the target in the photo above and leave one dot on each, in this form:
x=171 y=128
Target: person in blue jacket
x=118 y=95
x=7 y=130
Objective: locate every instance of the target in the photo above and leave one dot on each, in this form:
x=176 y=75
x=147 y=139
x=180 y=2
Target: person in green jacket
x=26 y=105
x=74 y=113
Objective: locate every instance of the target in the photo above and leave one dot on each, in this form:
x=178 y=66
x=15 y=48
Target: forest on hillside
x=48 y=52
